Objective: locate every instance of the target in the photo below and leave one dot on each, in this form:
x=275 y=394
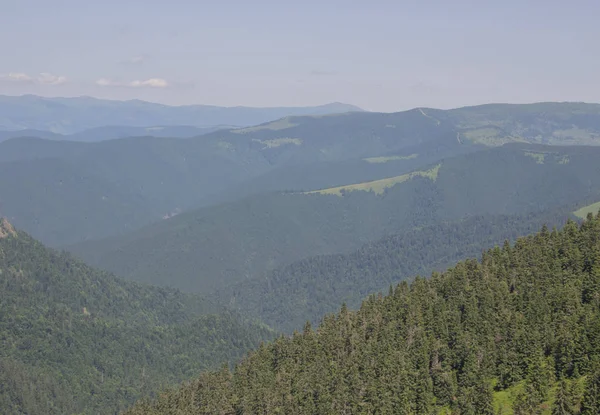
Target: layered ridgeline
x=136 y=181
x=77 y=340
x=64 y=192
x=211 y=247
x=113 y=132
x=133 y=182
x=313 y=287
x=73 y=115
x=517 y=332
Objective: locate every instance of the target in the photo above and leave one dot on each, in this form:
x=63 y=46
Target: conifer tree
x=591 y=397
x=562 y=404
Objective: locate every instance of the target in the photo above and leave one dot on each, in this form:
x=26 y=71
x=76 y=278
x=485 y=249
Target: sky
x=380 y=55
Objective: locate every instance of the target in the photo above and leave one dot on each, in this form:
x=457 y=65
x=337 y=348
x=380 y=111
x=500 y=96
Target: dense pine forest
x=308 y=289
x=516 y=332
x=75 y=340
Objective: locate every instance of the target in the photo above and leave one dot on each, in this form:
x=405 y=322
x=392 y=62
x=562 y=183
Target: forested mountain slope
x=525 y=318
x=134 y=181
x=77 y=340
x=113 y=132
x=563 y=123
x=308 y=289
x=309 y=152
x=148 y=178
x=215 y=246
x=351 y=133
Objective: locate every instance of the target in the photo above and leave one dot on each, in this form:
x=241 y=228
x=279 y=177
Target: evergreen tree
x=562 y=404
x=437 y=344
x=591 y=397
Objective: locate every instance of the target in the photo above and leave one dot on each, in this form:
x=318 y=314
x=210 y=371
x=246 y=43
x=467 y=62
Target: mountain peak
x=6 y=229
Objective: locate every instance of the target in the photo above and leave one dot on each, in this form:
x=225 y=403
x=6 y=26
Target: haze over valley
x=299 y=208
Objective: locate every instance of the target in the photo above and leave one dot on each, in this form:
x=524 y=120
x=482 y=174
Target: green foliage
x=544 y=123
x=209 y=248
x=114 y=132
x=124 y=184
x=64 y=192
x=379 y=187
x=465 y=326
x=310 y=288
x=564 y=402
x=77 y=340
x=386 y=159
x=591 y=397
x=583 y=212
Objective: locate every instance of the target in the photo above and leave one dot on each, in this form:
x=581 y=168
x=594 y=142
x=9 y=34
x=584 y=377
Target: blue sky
x=380 y=55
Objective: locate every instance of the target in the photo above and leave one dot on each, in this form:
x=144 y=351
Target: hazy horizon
x=298 y=106
x=380 y=57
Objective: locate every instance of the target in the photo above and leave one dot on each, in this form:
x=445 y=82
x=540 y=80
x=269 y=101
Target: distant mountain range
x=214 y=246
x=283 y=222
x=74 y=115
x=66 y=192
x=113 y=132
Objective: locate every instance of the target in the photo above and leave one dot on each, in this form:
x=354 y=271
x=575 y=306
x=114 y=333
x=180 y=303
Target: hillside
x=78 y=340
x=136 y=181
x=113 y=132
x=72 y=115
x=385 y=134
x=560 y=123
x=298 y=153
x=313 y=287
x=517 y=332
x=215 y=246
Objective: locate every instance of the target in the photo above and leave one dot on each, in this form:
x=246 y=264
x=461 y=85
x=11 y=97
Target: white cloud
x=49 y=79
x=148 y=83
x=152 y=82
x=16 y=77
x=42 y=79
x=106 y=82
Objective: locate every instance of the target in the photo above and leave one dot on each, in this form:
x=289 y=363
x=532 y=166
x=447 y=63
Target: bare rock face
x=6 y=229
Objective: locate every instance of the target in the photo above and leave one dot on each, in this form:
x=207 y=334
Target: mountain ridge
x=295 y=153
x=80 y=340
x=217 y=245
x=517 y=331
x=80 y=113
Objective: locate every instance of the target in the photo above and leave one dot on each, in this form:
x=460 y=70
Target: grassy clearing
x=390 y=158
x=490 y=136
x=277 y=142
x=541 y=157
x=538 y=157
x=505 y=399
x=583 y=212
x=281 y=124
x=379 y=186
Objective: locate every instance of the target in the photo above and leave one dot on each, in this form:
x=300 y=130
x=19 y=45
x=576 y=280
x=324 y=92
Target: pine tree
x=562 y=405
x=591 y=397
x=484 y=399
